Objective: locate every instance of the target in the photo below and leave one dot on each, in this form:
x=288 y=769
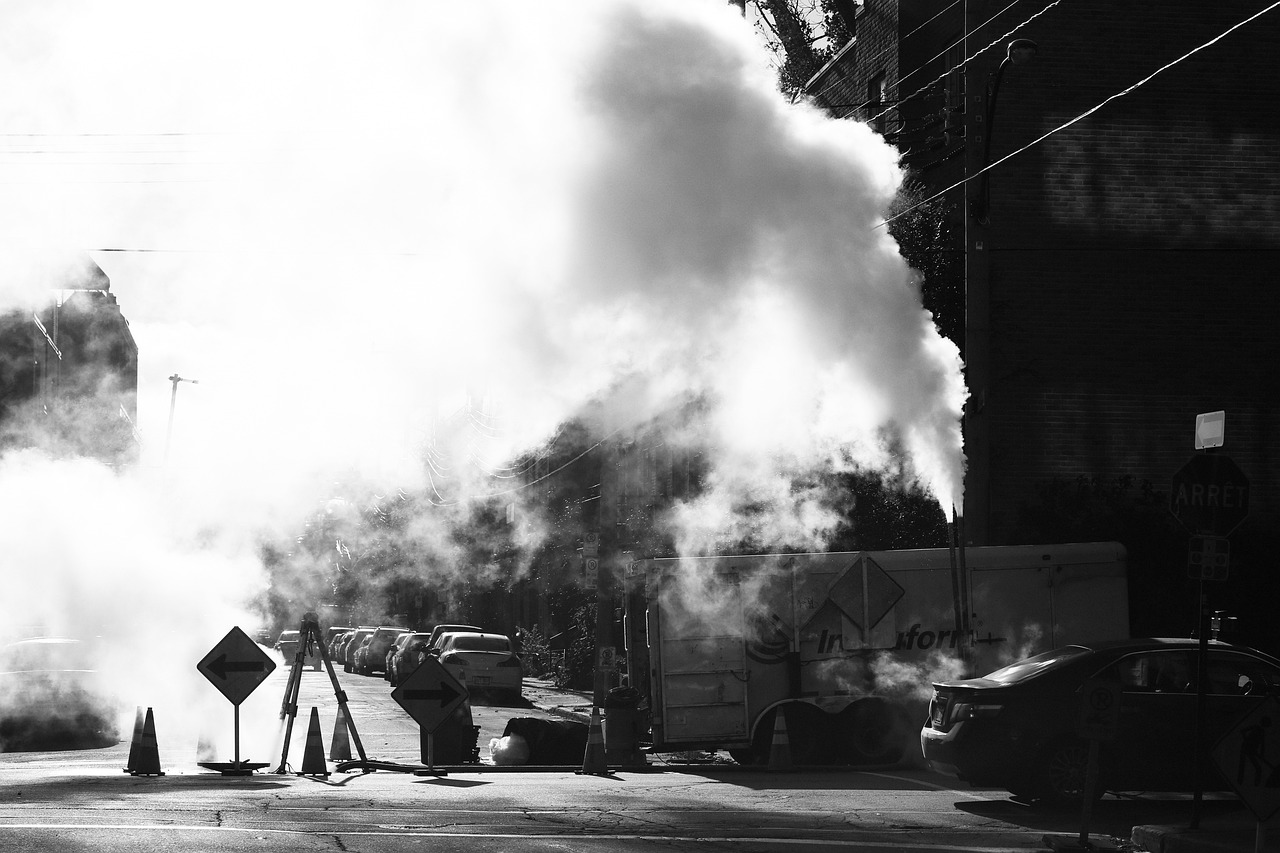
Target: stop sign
x=1210 y=495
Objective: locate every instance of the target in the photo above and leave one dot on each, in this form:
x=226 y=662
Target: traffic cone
x=340 y=745
x=594 y=760
x=136 y=742
x=206 y=749
x=145 y=760
x=313 y=755
x=780 y=747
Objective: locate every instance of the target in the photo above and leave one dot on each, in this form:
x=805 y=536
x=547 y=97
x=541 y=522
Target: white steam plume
x=344 y=221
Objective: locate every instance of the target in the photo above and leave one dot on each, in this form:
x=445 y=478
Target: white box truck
x=848 y=643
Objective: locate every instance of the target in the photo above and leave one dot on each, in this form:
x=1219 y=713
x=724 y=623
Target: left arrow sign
x=220 y=666
x=236 y=666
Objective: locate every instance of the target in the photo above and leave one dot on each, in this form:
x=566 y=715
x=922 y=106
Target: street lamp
x=173 y=401
x=1019 y=52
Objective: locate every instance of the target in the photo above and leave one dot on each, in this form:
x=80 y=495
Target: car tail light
x=511 y=661
x=456 y=660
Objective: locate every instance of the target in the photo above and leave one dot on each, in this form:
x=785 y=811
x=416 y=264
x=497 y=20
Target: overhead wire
x=897 y=104
x=1083 y=115
x=896 y=45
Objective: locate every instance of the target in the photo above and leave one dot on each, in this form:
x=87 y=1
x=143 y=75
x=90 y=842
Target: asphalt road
x=80 y=800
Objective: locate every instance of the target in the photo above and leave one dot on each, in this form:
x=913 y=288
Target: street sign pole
x=236 y=666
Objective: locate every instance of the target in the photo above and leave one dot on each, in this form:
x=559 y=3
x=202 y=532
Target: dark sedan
x=1018 y=728
x=53 y=697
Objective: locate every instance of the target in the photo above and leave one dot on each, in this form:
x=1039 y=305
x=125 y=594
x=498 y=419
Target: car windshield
x=1033 y=666
x=481 y=644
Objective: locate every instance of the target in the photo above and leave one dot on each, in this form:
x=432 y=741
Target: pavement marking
x=967 y=792
x=557 y=836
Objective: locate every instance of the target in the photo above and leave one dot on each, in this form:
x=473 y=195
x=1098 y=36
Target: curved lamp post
x=1020 y=51
x=173 y=402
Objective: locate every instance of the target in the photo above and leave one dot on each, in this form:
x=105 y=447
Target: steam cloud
x=347 y=222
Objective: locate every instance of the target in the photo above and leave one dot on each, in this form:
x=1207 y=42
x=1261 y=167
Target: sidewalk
x=543 y=694
x=1234 y=834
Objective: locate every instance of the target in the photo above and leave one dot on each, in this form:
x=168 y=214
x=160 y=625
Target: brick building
x=69 y=373
x=1118 y=272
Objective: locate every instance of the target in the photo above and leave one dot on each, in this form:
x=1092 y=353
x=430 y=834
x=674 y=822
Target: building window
x=876 y=97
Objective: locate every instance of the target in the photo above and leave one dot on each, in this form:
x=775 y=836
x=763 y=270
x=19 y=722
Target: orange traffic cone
x=594 y=760
x=780 y=748
x=136 y=743
x=144 y=752
x=340 y=745
x=313 y=755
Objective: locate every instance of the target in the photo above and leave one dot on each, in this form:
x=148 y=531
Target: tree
x=803 y=35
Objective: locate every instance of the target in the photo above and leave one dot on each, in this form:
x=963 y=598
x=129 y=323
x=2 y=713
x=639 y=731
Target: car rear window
x=1037 y=665
x=481 y=644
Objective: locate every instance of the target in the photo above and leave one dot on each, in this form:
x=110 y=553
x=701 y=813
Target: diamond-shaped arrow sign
x=430 y=694
x=236 y=666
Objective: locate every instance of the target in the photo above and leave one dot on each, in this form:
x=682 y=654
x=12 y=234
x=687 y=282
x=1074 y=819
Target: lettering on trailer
x=831 y=642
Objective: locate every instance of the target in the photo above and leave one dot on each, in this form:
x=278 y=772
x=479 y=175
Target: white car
x=483 y=662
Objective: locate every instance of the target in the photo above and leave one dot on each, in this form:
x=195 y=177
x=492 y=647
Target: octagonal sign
x=1210 y=495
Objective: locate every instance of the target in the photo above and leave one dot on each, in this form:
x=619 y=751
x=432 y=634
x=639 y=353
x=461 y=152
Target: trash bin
x=624 y=726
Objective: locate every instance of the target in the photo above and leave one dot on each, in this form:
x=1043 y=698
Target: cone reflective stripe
x=313 y=755
x=594 y=761
x=780 y=747
x=340 y=745
x=136 y=742
x=144 y=753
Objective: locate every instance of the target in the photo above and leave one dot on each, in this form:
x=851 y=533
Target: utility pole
x=173 y=402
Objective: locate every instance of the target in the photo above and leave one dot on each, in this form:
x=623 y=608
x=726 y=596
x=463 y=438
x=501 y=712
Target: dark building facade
x=69 y=373
x=1118 y=266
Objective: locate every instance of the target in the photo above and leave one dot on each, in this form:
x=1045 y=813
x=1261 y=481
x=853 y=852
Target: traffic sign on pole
x=1208 y=558
x=1210 y=495
x=1248 y=756
x=430 y=694
x=236 y=666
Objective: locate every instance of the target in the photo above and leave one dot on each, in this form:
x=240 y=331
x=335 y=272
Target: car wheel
x=869 y=732
x=1061 y=773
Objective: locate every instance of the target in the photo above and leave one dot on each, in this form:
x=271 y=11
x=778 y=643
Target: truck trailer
x=846 y=644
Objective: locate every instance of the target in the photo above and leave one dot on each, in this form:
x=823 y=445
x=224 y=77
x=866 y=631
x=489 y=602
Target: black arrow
x=444 y=695
x=221 y=666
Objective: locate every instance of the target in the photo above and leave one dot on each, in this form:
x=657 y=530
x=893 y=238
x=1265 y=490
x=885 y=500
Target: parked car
x=344 y=647
x=402 y=658
x=1017 y=728
x=483 y=662
x=53 y=697
x=351 y=651
x=438 y=632
x=287 y=646
x=336 y=644
x=374 y=657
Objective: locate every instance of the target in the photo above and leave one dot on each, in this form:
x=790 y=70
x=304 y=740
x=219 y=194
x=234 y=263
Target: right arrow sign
x=430 y=694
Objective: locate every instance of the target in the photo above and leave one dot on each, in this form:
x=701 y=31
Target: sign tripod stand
x=308 y=633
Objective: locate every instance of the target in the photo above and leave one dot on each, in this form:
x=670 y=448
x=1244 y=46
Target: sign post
x=236 y=666
x=430 y=694
x=1099 y=721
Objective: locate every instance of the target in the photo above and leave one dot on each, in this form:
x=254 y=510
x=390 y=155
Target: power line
x=872 y=59
x=1085 y=114
x=968 y=59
